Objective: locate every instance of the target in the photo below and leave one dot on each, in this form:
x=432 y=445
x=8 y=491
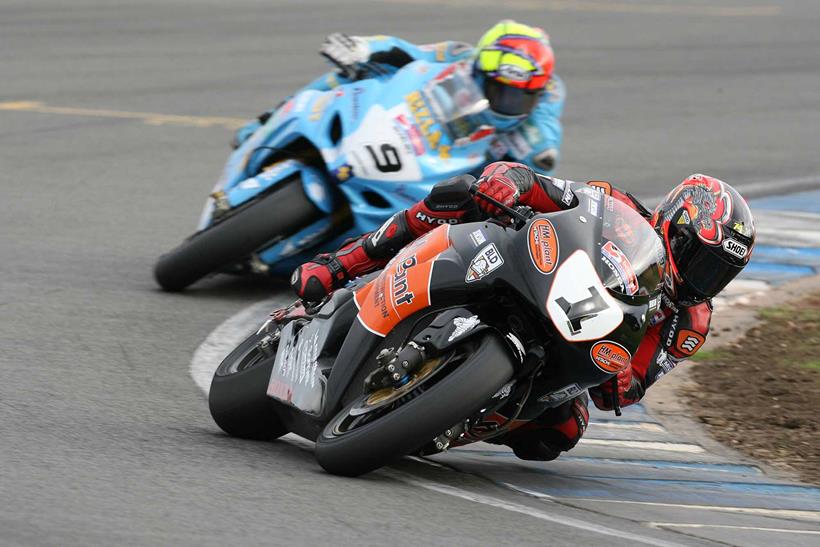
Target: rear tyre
x=344 y=449
x=238 y=398
x=283 y=212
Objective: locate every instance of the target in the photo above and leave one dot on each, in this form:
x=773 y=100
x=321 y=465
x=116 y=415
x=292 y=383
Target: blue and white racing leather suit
x=534 y=141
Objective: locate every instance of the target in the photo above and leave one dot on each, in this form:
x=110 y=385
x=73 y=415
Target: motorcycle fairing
x=304 y=356
x=403 y=286
x=382 y=147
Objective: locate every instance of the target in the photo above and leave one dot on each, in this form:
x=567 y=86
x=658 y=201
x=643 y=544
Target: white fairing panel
x=377 y=149
x=578 y=303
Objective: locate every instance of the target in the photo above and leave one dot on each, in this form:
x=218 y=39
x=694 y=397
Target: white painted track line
x=732 y=527
x=524 y=509
x=777 y=513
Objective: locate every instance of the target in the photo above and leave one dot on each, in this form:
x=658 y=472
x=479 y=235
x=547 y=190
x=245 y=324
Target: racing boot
x=557 y=430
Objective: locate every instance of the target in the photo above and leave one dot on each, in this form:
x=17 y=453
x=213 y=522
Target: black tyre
x=247 y=229
x=348 y=448
x=238 y=400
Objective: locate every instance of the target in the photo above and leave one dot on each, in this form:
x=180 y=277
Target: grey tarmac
x=105 y=439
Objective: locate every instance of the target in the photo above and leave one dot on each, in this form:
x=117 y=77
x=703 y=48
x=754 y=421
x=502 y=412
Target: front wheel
x=249 y=228
x=360 y=439
x=238 y=399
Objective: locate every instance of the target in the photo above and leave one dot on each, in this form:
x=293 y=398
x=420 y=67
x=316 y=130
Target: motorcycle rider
x=706 y=227
x=512 y=63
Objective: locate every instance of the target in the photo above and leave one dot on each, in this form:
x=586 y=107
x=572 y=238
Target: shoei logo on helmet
x=735 y=248
x=514 y=73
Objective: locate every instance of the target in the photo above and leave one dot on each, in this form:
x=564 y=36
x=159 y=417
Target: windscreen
x=456 y=100
x=632 y=253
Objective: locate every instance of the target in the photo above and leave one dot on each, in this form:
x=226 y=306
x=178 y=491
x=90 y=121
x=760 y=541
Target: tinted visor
x=509 y=101
x=705 y=272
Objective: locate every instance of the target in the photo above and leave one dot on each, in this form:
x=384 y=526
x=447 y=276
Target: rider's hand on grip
x=346 y=52
x=630 y=390
x=500 y=189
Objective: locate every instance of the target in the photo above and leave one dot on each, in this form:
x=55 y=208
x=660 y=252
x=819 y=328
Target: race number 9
x=386 y=159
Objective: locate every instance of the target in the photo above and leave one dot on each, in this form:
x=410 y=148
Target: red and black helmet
x=709 y=234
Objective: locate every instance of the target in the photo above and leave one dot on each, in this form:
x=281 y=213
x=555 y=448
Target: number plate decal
x=578 y=303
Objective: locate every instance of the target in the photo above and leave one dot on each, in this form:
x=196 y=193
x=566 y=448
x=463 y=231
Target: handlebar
x=520 y=213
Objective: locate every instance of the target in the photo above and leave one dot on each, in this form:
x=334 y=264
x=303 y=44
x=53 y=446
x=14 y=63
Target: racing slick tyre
x=244 y=230
x=238 y=400
x=356 y=441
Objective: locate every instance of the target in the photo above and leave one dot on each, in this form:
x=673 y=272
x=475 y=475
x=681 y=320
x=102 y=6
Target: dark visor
x=508 y=100
x=706 y=272
x=704 y=268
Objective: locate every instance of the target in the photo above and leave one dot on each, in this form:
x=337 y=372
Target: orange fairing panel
x=403 y=287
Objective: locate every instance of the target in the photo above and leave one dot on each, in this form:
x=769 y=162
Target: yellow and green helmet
x=514 y=62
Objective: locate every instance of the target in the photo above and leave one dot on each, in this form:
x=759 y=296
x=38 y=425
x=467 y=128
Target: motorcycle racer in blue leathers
x=512 y=63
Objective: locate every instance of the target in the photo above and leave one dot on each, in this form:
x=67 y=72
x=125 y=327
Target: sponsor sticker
x=485 y=262
x=592 y=207
x=664 y=362
x=319 y=106
x=343 y=173
x=477 y=237
x=427 y=124
x=689 y=341
x=623 y=268
x=543 y=244
x=514 y=73
x=498 y=148
x=601 y=186
x=568 y=195
x=736 y=248
x=566 y=392
x=463 y=325
x=435 y=220
x=610 y=356
x=411 y=133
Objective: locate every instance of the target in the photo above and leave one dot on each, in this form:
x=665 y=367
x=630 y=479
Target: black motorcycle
x=468 y=333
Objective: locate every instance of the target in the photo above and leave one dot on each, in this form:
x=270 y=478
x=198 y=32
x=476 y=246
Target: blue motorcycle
x=329 y=165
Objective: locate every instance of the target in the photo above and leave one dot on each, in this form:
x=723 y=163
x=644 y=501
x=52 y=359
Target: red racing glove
x=630 y=390
x=506 y=182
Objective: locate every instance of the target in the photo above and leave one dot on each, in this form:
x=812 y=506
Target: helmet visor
x=702 y=268
x=509 y=101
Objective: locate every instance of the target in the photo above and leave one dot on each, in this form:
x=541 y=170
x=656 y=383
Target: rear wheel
x=238 y=398
x=378 y=427
x=283 y=212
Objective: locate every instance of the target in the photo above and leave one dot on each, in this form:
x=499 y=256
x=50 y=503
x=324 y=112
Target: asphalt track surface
x=105 y=439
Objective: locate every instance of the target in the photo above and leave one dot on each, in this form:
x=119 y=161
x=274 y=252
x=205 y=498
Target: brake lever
x=515 y=213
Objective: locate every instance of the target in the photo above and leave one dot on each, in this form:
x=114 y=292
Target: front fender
x=316 y=185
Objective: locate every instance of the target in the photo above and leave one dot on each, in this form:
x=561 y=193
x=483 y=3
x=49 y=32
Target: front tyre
x=238 y=398
x=350 y=445
x=281 y=213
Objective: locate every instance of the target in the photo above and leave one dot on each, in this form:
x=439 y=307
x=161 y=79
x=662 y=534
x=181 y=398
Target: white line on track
x=778 y=513
x=636 y=426
x=523 y=509
x=644 y=445
x=731 y=527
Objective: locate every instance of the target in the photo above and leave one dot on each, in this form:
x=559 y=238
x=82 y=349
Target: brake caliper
x=395 y=368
